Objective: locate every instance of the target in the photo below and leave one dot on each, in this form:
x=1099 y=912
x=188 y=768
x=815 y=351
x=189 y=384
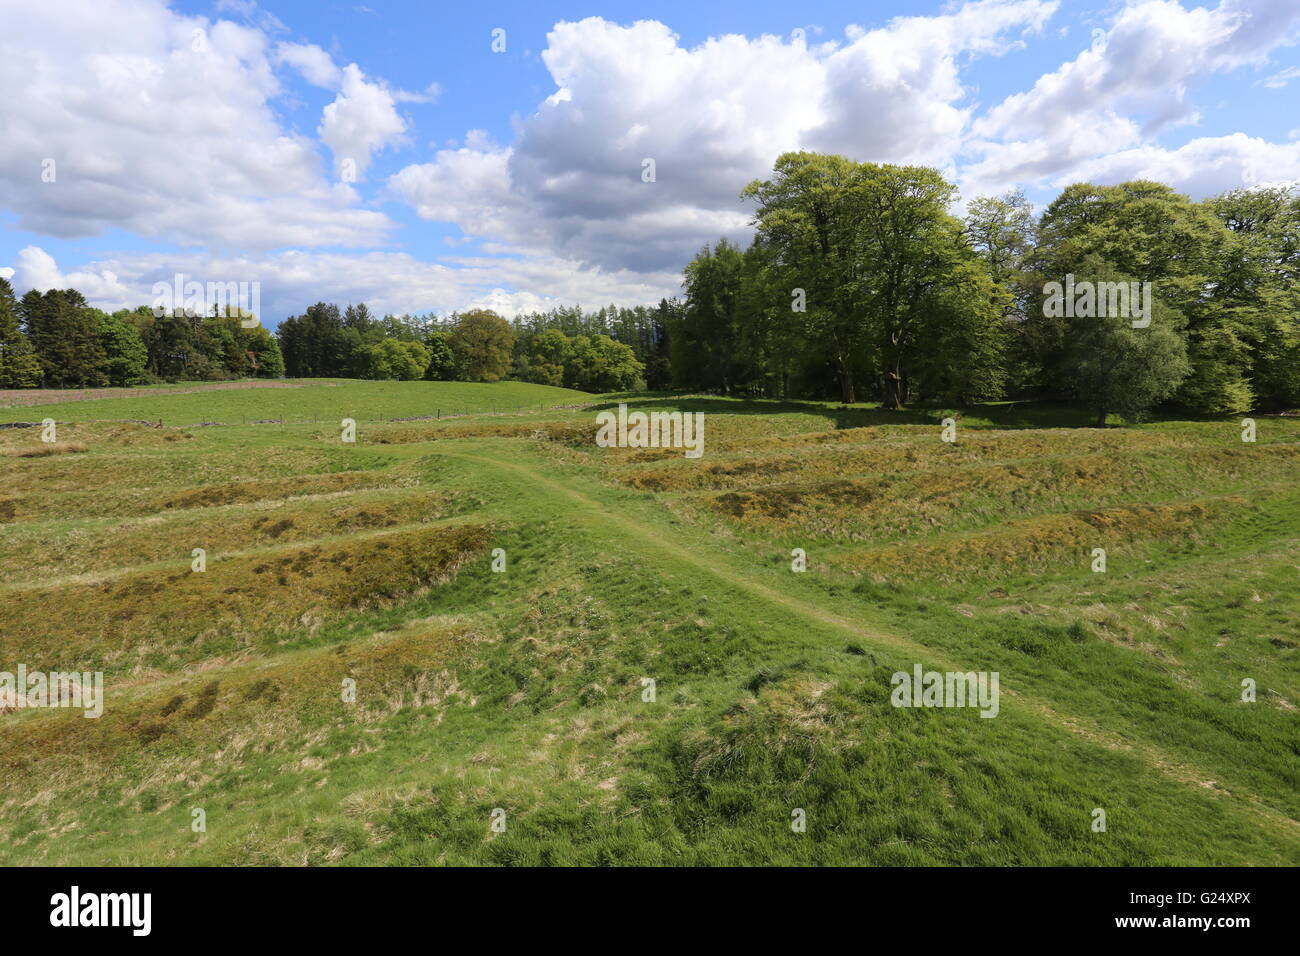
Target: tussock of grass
x=129 y=482
x=264 y=489
x=102 y=434
x=779 y=732
x=578 y=433
x=1042 y=541
x=49 y=448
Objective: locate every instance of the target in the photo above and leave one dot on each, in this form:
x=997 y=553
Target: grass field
x=521 y=695
x=291 y=400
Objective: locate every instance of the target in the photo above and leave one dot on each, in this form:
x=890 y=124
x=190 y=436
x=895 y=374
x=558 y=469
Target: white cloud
x=316 y=66
x=160 y=125
x=362 y=119
x=712 y=117
x=905 y=79
x=1280 y=79
x=469 y=186
x=1125 y=89
x=36 y=269
x=393 y=282
x=1201 y=168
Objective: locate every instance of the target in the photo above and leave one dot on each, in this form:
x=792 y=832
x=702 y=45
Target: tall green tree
x=710 y=322
x=19 y=365
x=865 y=252
x=482 y=342
x=64 y=331
x=1151 y=233
x=908 y=246
x=544 y=359
x=314 y=345
x=808 y=216
x=1114 y=368
x=1258 y=289
x=397 y=359
x=1001 y=231
x=442 y=361
x=962 y=338
x=126 y=360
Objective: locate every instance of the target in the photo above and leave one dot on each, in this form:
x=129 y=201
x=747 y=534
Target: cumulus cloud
x=469 y=186
x=390 y=282
x=711 y=118
x=896 y=95
x=1129 y=86
x=363 y=117
x=1202 y=167
x=158 y=124
x=36 y=269
x=316 y=66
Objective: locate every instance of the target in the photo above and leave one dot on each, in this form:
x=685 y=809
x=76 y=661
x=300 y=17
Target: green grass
x=298 y=400
x=523 y=691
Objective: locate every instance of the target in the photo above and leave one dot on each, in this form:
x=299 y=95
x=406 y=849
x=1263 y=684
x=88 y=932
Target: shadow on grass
x=1040 y=413
x=839 y=416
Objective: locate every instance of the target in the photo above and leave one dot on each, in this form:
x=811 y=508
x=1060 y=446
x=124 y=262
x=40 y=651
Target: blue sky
x=215 y=139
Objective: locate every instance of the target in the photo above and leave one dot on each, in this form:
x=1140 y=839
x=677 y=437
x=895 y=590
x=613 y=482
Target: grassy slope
x=523 y=690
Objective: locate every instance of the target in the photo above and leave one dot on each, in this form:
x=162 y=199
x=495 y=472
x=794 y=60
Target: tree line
x=55 y=339
x=859 y=283
x=475 y=346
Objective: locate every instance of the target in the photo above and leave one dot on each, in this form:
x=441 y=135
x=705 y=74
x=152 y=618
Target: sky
x=431 y=156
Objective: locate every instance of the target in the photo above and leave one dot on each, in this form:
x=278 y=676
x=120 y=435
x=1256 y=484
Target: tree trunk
x=893 y=398
x=846 y=386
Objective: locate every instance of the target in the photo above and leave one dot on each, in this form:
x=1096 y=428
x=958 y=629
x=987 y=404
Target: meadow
x=289 y=400
x=608 y=651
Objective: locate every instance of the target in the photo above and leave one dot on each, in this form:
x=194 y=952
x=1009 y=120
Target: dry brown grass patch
x=164 y=618
x=1039 y=541
x=49 y=448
